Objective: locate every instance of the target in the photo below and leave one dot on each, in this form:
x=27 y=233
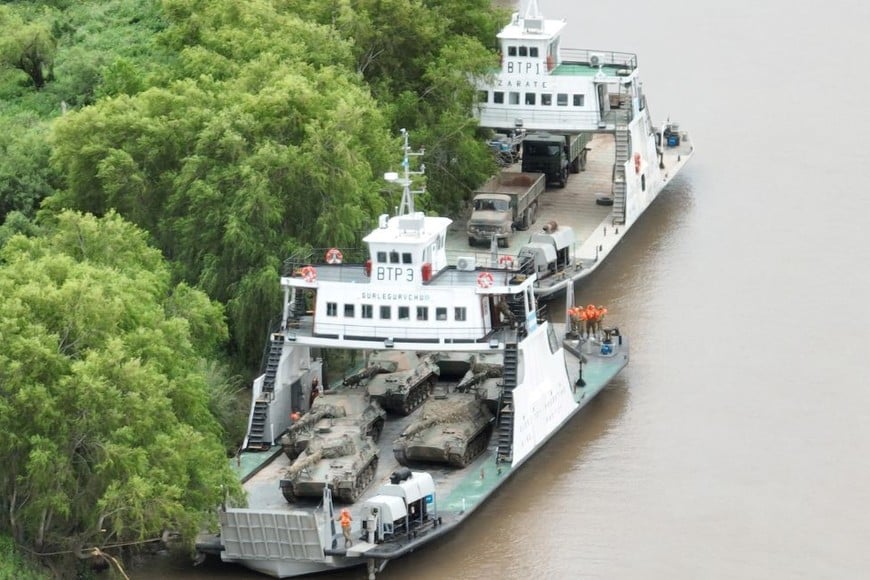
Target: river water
x=735 y=444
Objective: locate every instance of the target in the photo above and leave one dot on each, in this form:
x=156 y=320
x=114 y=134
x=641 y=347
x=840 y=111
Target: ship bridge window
x=546 y=99
x=578 y=100
x=460 y=314
x=349 y=310
x=332 y=309
x=482 y=96
x=404 y=313
x=382 y=257
x=394 y=257
x=406 y=258
x=386 y=312
x=367 y=311
x=422 y=313
x=533 y=51
x=524 y=51
x=513 y=98
x=530 y=98
x=562 y=99
x=498 y=97
x=512 y=51
x=441 y=313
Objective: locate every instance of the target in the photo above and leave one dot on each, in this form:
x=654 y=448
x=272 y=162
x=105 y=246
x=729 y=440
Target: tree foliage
x=105 y=425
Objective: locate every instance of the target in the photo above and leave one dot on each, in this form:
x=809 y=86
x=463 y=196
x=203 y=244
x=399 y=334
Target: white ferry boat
x=545 y=88
x=477 y=340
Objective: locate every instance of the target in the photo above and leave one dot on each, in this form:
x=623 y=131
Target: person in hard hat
x=345 y=520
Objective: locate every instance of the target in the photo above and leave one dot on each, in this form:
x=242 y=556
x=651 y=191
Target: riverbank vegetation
x=159 y=161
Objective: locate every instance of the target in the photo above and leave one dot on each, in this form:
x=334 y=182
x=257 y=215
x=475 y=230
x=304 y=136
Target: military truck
x=555 y=154
x=507 y=201
x=351 y=406
x=452 y=428
x=338 y=456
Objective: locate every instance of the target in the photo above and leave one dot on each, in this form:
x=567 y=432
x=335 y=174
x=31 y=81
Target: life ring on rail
x=309 y=274
x=485 y=280
x=506 y=262
x=333 y=256
x=637 y=163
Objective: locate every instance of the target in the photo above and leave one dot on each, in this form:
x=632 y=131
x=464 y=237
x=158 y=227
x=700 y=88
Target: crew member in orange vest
x=345 y=520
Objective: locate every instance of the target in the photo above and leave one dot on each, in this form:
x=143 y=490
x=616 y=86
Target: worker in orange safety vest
x=345 y=520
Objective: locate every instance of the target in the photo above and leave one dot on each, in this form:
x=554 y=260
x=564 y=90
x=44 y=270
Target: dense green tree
x=28 y=46
x=270 y=147
x=105 y=426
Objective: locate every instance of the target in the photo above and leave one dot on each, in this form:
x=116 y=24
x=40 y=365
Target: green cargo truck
x=555 y=154
x=506 y=202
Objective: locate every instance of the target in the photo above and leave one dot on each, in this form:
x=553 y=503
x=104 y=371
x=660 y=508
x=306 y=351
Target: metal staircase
x=623 y=151
x=257 y=436
x=506 y=405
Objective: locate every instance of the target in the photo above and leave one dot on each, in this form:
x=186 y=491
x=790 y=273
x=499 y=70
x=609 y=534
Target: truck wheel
x=470 y=241
x=575 y=165
x=524 y=222
x=563 y=177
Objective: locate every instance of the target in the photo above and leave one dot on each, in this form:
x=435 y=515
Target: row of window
x=394 y=257
x=385 y=312
x=513 y=98
x=531 y=51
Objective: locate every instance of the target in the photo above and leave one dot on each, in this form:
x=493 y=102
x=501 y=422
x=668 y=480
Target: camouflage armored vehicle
x=338 y=456
x=400 y=381
x=349 y=405
x=452 y=428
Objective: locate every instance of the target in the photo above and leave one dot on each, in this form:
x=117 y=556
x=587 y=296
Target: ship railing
x=610 y=58
x=317 y=256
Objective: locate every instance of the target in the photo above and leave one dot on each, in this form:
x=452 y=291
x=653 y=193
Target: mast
x=406 y=207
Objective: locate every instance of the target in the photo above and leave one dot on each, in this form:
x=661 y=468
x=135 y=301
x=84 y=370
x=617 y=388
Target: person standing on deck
x=345 y=520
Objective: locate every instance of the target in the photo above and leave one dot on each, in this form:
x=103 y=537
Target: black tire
x=563 y=178
x=470 y=241
x=604 y=200
x=575 y=165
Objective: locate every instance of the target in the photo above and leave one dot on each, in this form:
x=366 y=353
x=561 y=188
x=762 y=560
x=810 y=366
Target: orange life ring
x=485 y=280
x=309 y=274
x=506 y=262
x=637 y=162
x=333 y=256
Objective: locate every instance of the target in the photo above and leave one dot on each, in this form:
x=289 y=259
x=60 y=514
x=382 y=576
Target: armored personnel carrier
x=352 y=406
x=400 y=381
x=452 y=428
x=338 y=456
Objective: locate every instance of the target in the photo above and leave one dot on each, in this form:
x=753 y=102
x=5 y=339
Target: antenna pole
x=406 y=207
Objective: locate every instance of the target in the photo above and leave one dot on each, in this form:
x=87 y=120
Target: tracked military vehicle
x=351 y=406
x=400 y=381
x=453 y=428
x=338 y=456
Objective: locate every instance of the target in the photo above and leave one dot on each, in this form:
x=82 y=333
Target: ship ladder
x=619 y=186
x=257 y=429
x=506 y=407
